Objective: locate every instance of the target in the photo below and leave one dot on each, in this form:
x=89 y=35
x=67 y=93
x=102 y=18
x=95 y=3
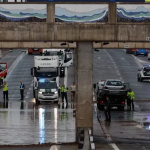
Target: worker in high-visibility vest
x=5 y=90
x=131 y=96
x=22 y=88
x=64 y=91
x=1 y=80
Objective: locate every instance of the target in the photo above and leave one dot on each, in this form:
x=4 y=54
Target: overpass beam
x=50 y=13
x=112 y=16
x=84 y=98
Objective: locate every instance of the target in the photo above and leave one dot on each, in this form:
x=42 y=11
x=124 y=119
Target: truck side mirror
x=31 y=71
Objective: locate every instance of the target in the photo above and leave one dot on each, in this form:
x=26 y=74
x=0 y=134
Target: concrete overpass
x=119 y=34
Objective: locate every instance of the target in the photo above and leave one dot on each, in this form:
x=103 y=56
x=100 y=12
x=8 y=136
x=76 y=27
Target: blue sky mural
x=23 y=12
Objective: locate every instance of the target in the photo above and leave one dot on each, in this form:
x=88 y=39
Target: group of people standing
x=64 y=91
x=107 y=108
x=5 y=90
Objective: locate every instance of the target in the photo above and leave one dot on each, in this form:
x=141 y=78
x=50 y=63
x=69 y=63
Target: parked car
x=143 y=73
x=113 y=87
x=130 y=51
x=141 y=52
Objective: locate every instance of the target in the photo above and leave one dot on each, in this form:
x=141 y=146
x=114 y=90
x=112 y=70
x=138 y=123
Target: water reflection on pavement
x=27 y=123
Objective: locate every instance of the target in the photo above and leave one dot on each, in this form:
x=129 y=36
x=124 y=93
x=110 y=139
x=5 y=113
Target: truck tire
x=138 y=79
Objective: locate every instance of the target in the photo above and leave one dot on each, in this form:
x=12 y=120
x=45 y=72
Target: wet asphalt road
x=26 y=123
x=128 y=130
x=23 y=122
x=116 y=64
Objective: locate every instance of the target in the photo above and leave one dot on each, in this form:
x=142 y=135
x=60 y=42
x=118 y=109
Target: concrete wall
x=31 y=32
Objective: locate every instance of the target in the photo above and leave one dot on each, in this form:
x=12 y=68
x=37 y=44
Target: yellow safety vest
x=131 y=95
x=21 y=86
x=5 y=87
x=64 y=89
x=2 y=77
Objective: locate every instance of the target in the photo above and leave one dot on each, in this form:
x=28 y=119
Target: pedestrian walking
x=22 y=88
x=131 y=97
x=73 y=91
x=64 y=91
x=5 y=90
x=108 y=110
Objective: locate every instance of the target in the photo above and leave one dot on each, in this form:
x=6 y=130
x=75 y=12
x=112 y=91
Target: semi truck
x=45 y=78
x=65 y=58
x=3 y=70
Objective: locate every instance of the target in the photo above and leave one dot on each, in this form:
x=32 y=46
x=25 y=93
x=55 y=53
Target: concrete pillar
x=50 y=13
x=112 y=17
x=84 y=98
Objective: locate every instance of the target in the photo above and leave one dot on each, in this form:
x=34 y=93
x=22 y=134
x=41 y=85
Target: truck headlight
x=40 y=92
x=56 y=92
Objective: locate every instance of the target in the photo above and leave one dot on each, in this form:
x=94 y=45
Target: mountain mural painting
x=23 y=12
x=81 y=13
x=139 y=13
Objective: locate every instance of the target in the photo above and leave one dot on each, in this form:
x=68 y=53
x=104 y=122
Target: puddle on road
x=27 y=123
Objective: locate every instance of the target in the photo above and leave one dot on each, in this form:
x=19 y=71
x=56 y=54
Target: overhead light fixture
x=63 y=43
x=71 y=42
x=97 y=42
x=105 y=43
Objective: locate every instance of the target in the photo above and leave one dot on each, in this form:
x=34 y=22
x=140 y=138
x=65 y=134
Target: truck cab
x=65 y=58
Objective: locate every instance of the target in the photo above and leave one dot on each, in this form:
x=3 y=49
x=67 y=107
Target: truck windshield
x=2 y=67
x=46 y=72
x=52 y=53
x=47 y=85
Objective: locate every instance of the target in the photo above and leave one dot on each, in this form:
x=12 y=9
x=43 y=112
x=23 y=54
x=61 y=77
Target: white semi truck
x=45 y=78
x=65 y=58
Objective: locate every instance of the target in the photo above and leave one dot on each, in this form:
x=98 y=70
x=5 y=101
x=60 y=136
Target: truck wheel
x=138 y=79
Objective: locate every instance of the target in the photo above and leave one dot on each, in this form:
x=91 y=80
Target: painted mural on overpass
x=129 y=13
x=23 y=12
x=81 y=13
